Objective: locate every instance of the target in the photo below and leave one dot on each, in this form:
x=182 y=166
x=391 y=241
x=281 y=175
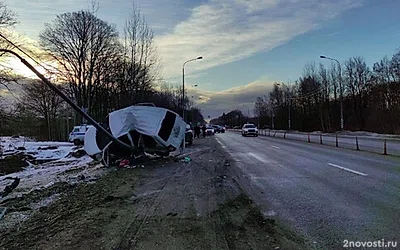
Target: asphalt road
x=328 y=194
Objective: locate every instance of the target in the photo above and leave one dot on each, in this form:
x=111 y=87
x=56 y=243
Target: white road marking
x=275 y=147
x=258 y=157
x=347 y=169
x=220 y=143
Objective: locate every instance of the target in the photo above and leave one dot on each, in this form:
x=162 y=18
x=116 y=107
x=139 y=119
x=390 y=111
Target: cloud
x=224 y=31
x=242 y=97
x=162 y=15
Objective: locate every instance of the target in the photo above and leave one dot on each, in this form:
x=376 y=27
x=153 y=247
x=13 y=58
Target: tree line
x=96 y=67
x=371 y=99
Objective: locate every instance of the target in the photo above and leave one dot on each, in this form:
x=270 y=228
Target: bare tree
x=86 y=47
x=356 y=79
x=325 y=99
x=41 y=101
x=261 y=110
x=7 y=20
x=141 y=61
x=7 y=17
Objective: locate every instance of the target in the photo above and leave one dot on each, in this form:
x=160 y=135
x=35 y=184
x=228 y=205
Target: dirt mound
x=13 y=164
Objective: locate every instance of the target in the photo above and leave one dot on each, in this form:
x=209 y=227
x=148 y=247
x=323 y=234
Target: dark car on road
x=218 y=128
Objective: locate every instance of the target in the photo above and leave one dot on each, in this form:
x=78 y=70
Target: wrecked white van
x=149 y=129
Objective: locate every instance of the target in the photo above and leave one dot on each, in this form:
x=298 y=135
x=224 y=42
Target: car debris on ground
x=9 y=188
x=187 y=159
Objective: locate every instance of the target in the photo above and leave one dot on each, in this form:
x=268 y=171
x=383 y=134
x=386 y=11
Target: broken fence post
x=337 y=142
x=384 y=147
x=357 y=143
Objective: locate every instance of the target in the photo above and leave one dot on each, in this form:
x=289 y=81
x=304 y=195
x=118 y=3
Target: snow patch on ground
x=39 y=150
x=56 y=162
x=60 y=165
x=45 y=175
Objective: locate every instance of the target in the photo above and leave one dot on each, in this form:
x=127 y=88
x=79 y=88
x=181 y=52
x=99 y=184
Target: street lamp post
x=341 y=90
x=183 y=92
x=183 y=83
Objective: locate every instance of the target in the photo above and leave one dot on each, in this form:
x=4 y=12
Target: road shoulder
x=165 y=205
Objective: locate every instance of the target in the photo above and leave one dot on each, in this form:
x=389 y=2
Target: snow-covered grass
x=38 y=150
x=45 y=175
x=60 y=165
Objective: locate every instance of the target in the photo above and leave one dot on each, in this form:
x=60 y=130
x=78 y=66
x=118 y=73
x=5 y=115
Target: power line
x=26 y=54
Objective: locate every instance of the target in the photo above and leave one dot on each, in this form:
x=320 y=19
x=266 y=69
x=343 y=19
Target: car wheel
x=190 y=142
x=256 y=135
x=77 y=142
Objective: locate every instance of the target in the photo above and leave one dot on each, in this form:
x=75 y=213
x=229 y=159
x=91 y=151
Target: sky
x=247 y=45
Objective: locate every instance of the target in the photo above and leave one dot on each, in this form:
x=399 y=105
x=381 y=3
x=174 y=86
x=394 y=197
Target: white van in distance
x=77 y=136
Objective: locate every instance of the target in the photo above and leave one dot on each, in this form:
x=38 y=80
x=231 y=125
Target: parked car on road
x=210 y=130
x=77 y=136
x=249 y=129
x=218 y=128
